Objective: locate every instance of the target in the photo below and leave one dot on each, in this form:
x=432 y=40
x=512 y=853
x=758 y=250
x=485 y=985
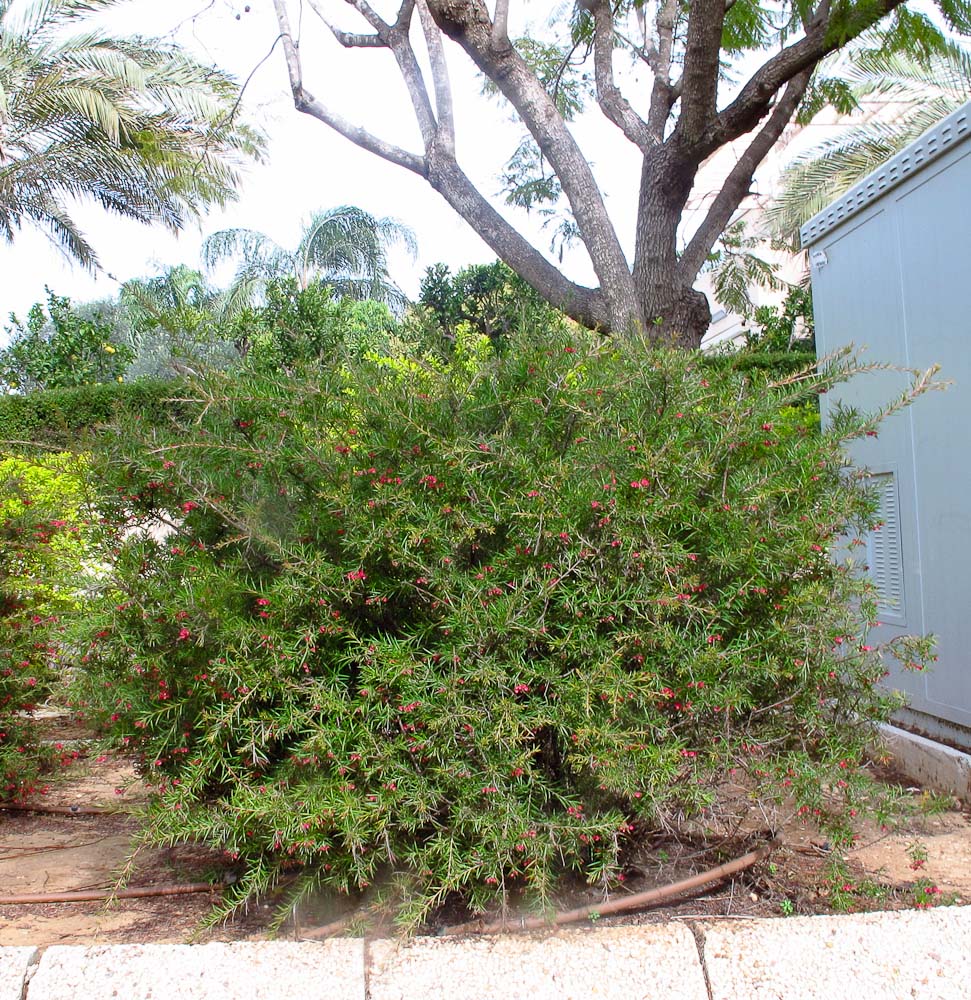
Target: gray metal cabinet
x=891 y=270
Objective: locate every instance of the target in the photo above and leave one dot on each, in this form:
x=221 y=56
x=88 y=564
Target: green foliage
x=559 y=73
x=174 y=324
x=491 y=298
x=455 y=627
x=344 y=247
x=735 y=269
x=134 y=124
x=770 y=363
x=790 y=328
x=527 y=179
x=299 y=326
x=60 y=349
x=178 y=301
x=59 y=417
x=42 y=546
x=915 y=75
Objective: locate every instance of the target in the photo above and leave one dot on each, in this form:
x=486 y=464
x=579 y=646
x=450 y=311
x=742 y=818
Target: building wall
x=891 y=271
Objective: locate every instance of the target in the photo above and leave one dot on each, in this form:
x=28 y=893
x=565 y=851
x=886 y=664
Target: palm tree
x=343 y=247
x=915 y=90
x=134 y=124
x=172 y=323
x=179 y=301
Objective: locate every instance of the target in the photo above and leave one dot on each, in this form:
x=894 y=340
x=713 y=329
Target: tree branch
x=500 y=25
x=443 y=89
x=663 y=95
x=294 y=69
x=468 y=23
x=396 y=37
x=585 y=305
x=666 y=18
x=613 y=103
x=348 y=39
x=736 y=185
x=403 y=21
x=439 y=167
x=699 y=81
x=753 y=100
x=404 y=54
x=306 y=103
x=370 y=15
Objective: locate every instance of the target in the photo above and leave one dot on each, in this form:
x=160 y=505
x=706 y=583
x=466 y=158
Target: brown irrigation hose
x=640 y=899
x=328 y=930
x=103 y=895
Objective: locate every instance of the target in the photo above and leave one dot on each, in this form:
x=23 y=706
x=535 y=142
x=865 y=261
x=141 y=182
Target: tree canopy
x=136 y=124
x=706 y=90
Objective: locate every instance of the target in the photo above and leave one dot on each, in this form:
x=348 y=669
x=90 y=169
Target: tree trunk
x=681 y=315
x=674 y=311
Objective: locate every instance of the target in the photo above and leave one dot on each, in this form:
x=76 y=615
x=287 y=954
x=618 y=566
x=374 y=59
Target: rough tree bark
x=683 y=50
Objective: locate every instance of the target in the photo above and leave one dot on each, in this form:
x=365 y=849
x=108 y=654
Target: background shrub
x=59 y=347
x=459 y=625
x=489 y=299
x=43 y=542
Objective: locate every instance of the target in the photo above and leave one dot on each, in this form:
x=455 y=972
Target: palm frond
x=134 y=124
x=917 y=78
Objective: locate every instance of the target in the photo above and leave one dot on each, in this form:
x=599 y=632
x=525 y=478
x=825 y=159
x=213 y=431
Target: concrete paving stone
x=872 y=956
x=655 y=962
x=14 y=963
x=265 y=970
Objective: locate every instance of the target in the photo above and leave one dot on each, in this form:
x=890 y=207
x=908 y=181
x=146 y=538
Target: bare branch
x=469 y=25
x=736 y=185
x=613 y=103
x=663 y=94
x=306 y=103
x=348 y=39
x=641 y=17
x=585 y=305
x=370 y=15
x=500 y=25
x=699 y=81
x=403 y=21
x=415 y=84
x=294 y=69
x=443 y=89
x=666 y=19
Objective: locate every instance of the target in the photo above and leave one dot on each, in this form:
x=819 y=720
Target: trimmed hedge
x=57 y=416
x=779 y=362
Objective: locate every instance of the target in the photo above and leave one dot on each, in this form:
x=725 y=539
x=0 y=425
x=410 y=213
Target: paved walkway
x=910 y=954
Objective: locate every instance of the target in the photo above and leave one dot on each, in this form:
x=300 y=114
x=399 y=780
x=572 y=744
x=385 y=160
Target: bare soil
x=53 y=852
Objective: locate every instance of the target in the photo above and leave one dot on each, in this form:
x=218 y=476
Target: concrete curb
x=876 y=956
x=15 y=965
x=928 y=762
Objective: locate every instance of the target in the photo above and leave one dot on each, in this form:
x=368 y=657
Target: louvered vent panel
x=884 y=551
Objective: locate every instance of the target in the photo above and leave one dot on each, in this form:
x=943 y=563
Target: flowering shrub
x=457 y=629
x=41 y=553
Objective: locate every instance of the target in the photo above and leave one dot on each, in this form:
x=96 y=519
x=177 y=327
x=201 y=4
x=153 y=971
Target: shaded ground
x=46 y=853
